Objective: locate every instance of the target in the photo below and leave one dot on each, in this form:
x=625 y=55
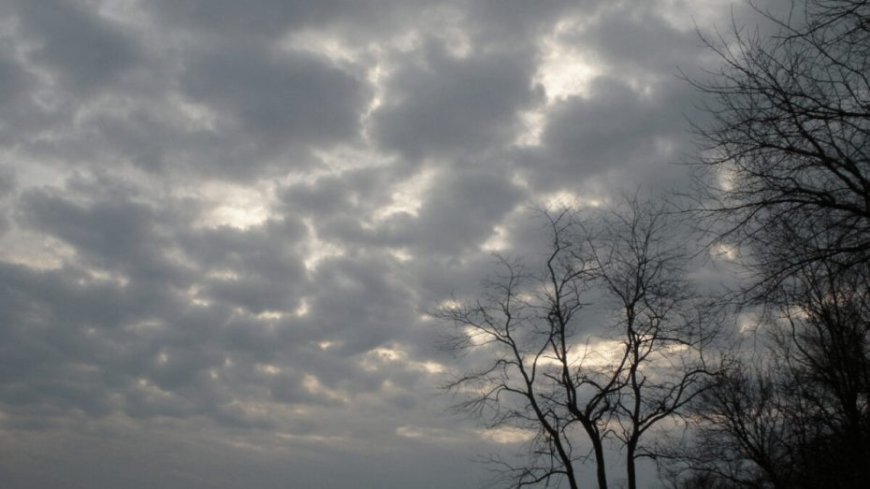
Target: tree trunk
x=599 y=463
x=629 y=465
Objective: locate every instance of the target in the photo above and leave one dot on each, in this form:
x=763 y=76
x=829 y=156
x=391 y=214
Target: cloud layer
x=222 y=223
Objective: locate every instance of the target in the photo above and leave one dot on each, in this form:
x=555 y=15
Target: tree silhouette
x=789 y=177
x=553 y=364
x=788 y=153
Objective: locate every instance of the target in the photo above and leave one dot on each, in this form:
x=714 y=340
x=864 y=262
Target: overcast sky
x=222 y=222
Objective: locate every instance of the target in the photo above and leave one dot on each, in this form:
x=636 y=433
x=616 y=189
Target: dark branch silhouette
x=550 y=367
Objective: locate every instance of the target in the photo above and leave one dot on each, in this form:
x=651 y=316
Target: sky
x=223 y=223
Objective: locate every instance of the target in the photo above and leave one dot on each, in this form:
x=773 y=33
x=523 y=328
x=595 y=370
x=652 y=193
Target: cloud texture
x=222 y=222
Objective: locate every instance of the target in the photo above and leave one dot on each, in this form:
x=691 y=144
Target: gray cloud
x=440 y=105
x=461 y=210
x=82 y=49
x=270 y=17
x=612 y=129
x=640 y=43
x=15 y=95
x=277 y=99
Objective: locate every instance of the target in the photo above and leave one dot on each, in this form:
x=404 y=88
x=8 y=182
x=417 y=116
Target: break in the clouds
x=222 y=223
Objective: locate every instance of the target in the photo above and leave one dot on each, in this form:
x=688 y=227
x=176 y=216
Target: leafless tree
x=554 y=360
x=527 y=327
x=788 y=153
x=741 y=438
x=788 y=173
x=799 y=416
x=664 y=325
x=824 y=345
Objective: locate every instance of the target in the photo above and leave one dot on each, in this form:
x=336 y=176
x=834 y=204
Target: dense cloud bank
x=222 y=223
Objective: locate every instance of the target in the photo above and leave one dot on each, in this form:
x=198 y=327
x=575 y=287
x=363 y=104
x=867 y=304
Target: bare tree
x=741 y=438
x=557 y=364
x=664 y=324
x=799 y=416
x=788 y=151
x=789 y=176
x=528 y=329
x=824 y=346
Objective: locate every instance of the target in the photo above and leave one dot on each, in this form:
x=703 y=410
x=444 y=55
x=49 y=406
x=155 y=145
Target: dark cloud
x=517 y=24
x=634 y=133
x=265 y=20
x=358 y=305
x=277 y=99
x=640 y=43
x=84 y=50
x=7 y=187
x=269 y=17
x=441 y=105
x=20 y=113
x=462 y=209
x=120 y=236
x=326 y=196
x=148 y=141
